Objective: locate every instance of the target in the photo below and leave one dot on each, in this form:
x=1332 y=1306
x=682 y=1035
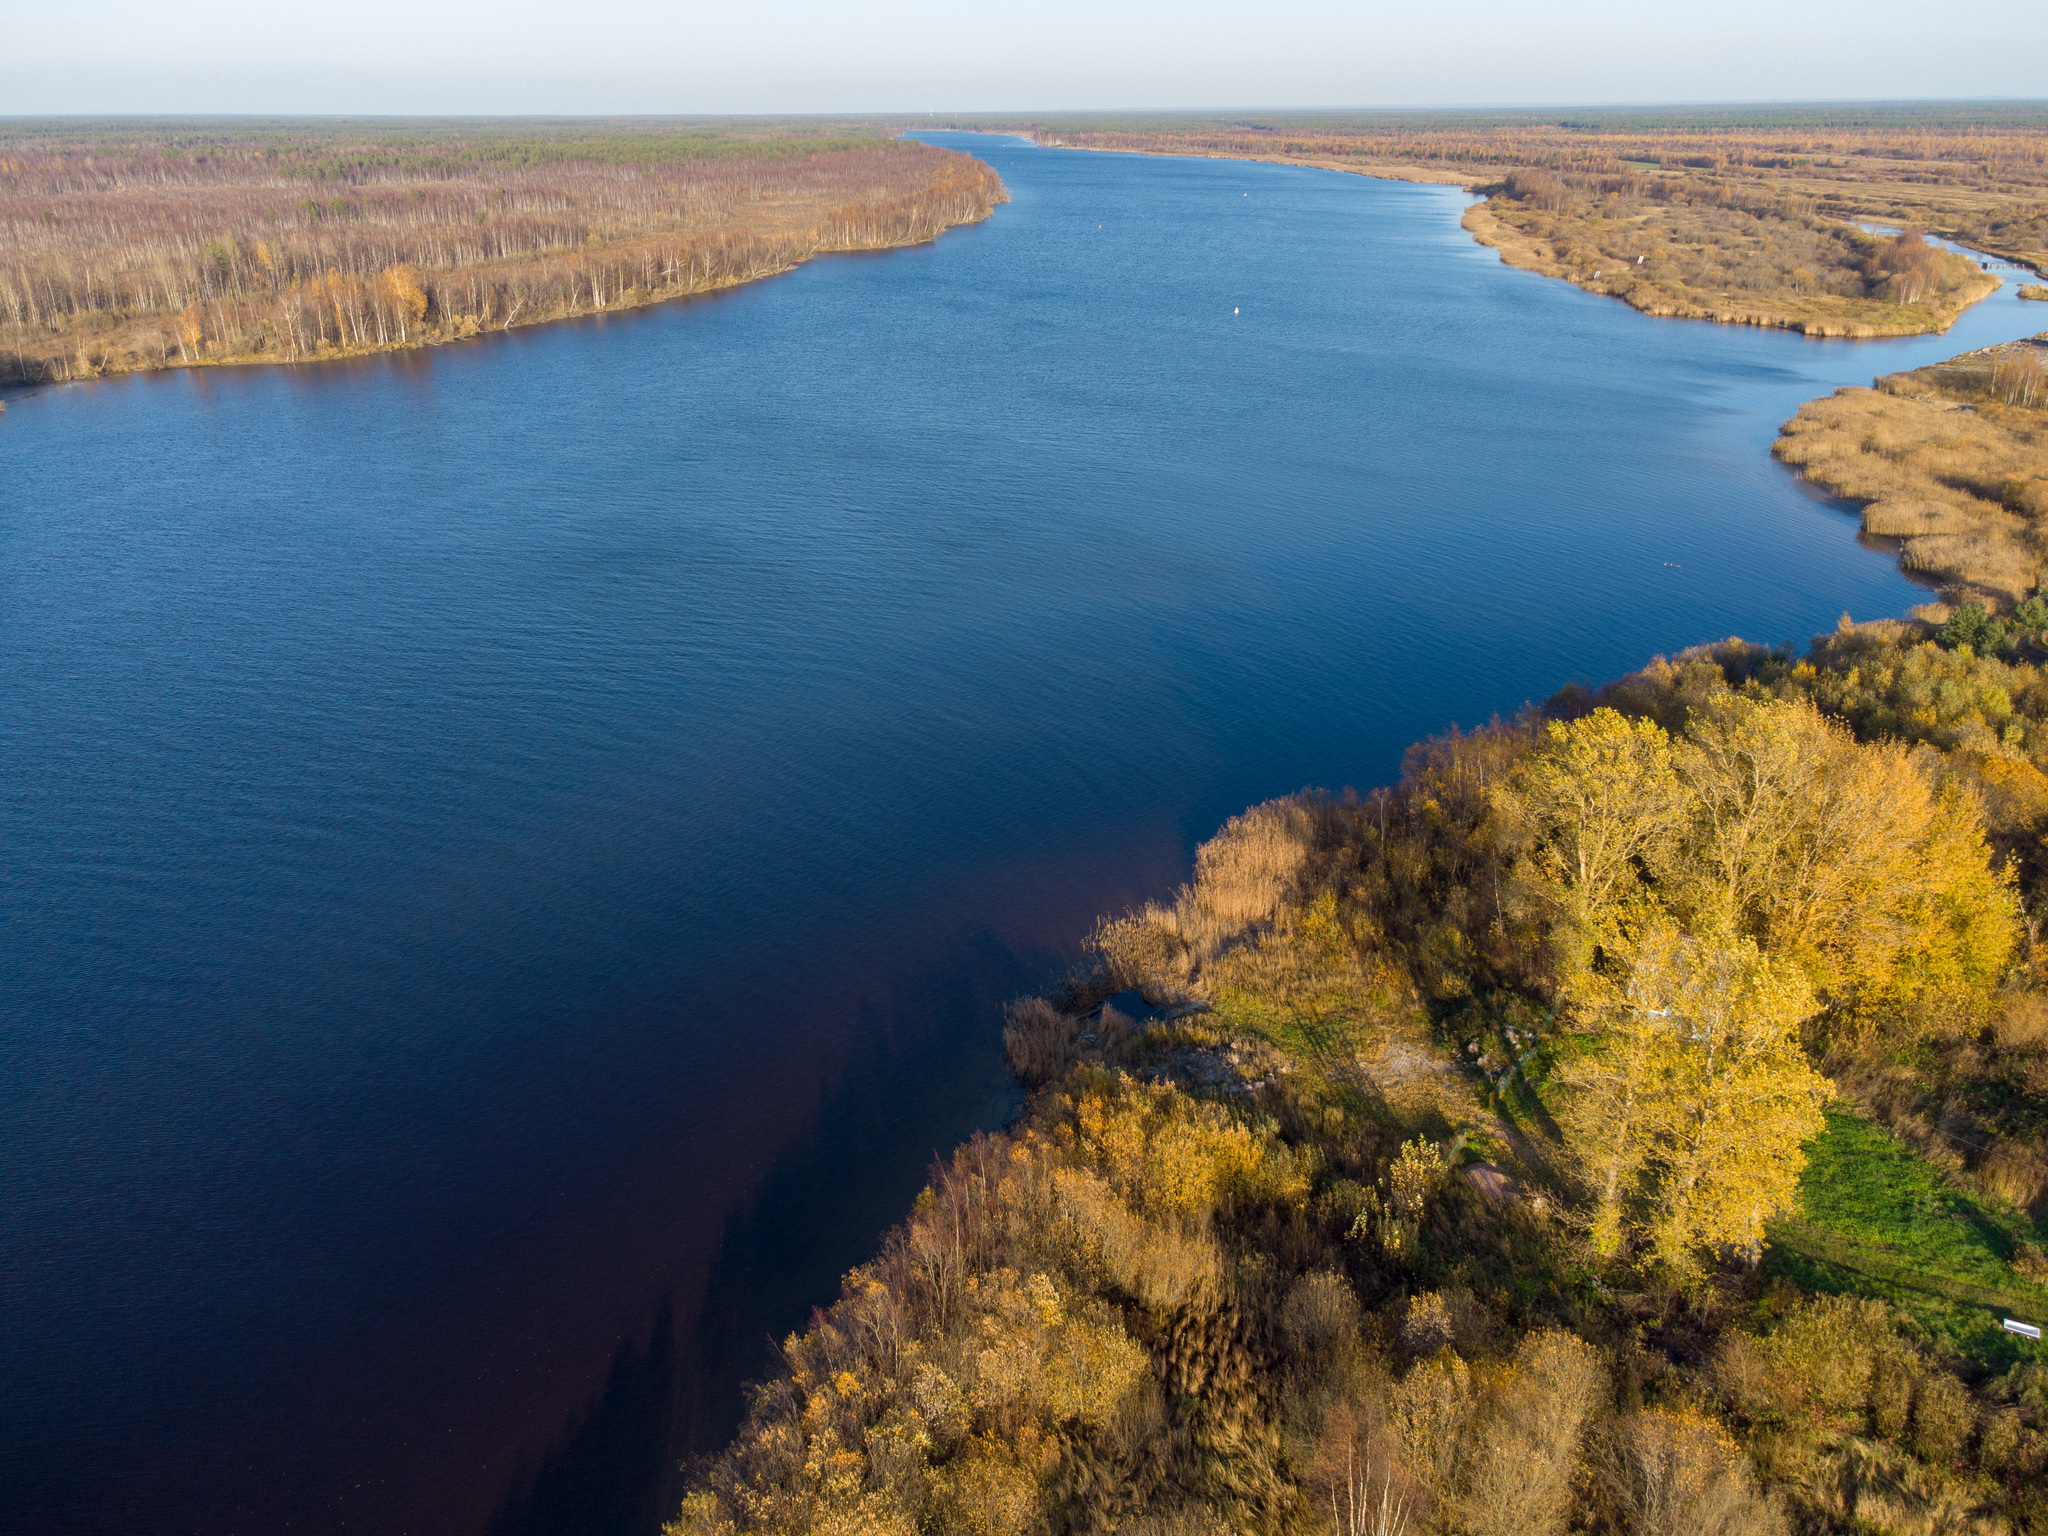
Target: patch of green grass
x=1321 y=1034
x=1876 y=1219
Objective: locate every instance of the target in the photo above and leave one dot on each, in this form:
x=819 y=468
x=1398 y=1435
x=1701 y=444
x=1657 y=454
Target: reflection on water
x=511 y=856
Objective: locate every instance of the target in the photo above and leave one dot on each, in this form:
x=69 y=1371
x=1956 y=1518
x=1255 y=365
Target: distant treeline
x=143 y=251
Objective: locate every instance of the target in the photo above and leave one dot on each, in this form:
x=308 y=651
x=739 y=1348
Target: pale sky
x=626 y=56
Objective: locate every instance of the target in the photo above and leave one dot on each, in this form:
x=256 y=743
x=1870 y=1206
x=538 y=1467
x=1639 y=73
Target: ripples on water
x=510 y=856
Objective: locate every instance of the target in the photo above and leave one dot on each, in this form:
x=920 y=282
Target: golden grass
x=1950 y=460
x=1040 y=1042
x=1700 y=261
x=1243 y=876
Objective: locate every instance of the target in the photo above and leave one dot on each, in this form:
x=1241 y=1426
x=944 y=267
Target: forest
x=1634 y=1120
x=1747 y=216
x=128 y=246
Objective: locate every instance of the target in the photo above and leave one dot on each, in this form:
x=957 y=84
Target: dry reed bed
x=120 y=255
x=1704 y=253
x=1951 y=460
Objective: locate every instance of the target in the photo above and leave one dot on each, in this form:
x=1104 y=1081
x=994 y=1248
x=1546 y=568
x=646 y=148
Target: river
x=511 y=855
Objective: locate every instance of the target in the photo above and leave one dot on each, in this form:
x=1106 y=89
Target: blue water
x=510 y=856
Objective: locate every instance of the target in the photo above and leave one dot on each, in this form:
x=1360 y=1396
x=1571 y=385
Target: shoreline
x=1527 y=254
x=300 y=241
x=624 y=303
x=1947 y=461
x=1377 y=171
x=1524 y=252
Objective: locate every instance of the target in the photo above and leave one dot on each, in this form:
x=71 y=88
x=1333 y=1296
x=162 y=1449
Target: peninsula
x=1634 y=1120
x=131 y=245
x=1951 y=460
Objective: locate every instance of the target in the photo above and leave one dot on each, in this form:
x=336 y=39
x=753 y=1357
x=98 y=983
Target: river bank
x=1290 y=1220
x=1950 y=460
x=1305 y=1209
x=1613 y=264
x=1750 y=220
x=139 y=249
x=1613 y=268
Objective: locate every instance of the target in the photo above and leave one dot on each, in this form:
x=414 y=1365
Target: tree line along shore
x=1634 y=1120
x=136 y=246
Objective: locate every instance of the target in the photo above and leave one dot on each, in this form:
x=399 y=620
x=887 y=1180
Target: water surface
x=510 y=856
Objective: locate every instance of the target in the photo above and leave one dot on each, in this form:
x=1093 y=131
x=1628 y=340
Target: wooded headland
x=131 y=245
x=1747 y=216
x=1633 y=1121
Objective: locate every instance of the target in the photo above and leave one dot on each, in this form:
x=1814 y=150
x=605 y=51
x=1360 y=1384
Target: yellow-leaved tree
x=1838 y=858
x=408 y=298
x=1768 y=821
x=1689 y=1115
x=1592 y=810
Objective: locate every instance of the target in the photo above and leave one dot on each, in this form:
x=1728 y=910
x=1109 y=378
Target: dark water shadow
x=606 y=1474
x=920 y=1087
x=926 y=1075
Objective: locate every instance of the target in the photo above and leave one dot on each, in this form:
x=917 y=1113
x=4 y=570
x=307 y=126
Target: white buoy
x=1235 y=311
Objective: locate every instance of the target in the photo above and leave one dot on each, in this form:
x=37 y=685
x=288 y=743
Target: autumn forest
x=129 y=247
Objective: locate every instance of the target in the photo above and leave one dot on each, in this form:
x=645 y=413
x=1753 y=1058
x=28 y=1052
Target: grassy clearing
x=1878 y=1220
